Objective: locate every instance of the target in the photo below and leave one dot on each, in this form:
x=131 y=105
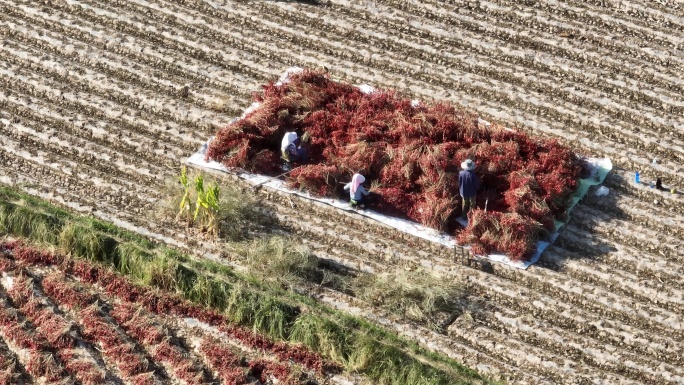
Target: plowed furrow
x=627 y=208
x=623 y=183
x=567 y=317
x=114 y=99
x=460 y=351
x=650 y=14
x=164 y=61
x=638 y=236
x=649 y=269
x=201 y=51
x=64 y=53
x=284 y=51
x=31 y=171
x=540 y=40
x=589 y=31
x=381 y=65
x=637 y=371
x=23 y=126
x=644 y=288
x=595 y=298
x=478 y=69
x=518 y=62
x=93 y=117
x=593 y=301
x=650 y=317
x=57 y=118
x=73 y=141
x=558 y=368
x=610 y=358
x=54 y=155
x=586 y=301
x=534 y=278
x=78 y=103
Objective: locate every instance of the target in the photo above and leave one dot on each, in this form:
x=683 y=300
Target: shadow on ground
x=585 y=237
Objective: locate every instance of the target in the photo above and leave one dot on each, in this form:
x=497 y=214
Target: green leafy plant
x=211 y=205
x=199 y=189
x=204 y=213
x=186 y=203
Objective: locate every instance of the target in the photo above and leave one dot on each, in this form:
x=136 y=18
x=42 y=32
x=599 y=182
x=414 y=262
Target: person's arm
x=363 y=190
x=347 y=186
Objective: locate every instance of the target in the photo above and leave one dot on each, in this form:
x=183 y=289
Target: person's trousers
x=468 y=203
x=355 y=202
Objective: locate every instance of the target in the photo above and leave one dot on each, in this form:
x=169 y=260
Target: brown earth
x=93 y=115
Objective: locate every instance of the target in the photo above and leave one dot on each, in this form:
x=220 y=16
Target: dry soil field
x=102 y=100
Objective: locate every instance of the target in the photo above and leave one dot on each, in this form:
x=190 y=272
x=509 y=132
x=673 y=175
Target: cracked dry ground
x=92 y=116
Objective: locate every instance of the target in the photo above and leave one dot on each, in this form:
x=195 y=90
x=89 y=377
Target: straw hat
x=468 y=165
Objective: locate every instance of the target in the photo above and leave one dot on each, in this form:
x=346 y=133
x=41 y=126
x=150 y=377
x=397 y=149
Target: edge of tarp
x=599 y=167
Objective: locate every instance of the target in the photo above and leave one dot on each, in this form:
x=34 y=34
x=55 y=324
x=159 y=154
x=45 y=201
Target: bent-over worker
x=468 y=184
x=291 y=150
x=356 y=191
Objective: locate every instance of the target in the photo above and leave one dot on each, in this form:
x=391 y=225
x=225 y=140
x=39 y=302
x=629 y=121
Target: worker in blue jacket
x=468 y=184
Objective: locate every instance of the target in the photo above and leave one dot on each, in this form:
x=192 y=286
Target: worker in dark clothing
x=291 y=149
x=468 y=184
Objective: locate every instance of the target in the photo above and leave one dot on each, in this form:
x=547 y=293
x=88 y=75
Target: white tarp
x=600 y=168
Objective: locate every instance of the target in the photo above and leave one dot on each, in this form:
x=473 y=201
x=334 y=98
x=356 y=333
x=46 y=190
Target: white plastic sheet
x=600 y=168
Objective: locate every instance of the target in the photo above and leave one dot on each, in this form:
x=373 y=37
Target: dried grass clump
x=418 y=295
x=279 y=260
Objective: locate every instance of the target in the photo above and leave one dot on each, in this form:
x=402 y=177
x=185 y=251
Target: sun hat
x=288 y=139
x=468 y=165
x=357 y=179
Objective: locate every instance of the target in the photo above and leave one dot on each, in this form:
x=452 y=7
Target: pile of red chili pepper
x=411 y=152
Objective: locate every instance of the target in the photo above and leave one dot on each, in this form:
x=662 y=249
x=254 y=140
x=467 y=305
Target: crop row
x=58 y=331
x=126 y=333
x=513 y=304
x=484 y=282
x=11 y=370
x=39 y=355
x=562 y=327
x=161 y=303
x=220 y=296
x=119 y=350
x=496 y=74
x=644 y=341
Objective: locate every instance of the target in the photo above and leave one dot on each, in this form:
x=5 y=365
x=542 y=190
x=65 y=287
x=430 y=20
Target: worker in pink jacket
x=356 y=190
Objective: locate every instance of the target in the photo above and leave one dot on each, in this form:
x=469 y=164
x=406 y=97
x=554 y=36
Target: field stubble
x=93 y=115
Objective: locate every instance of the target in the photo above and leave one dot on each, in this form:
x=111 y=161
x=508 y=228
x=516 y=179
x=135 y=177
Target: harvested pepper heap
x=414 y=152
